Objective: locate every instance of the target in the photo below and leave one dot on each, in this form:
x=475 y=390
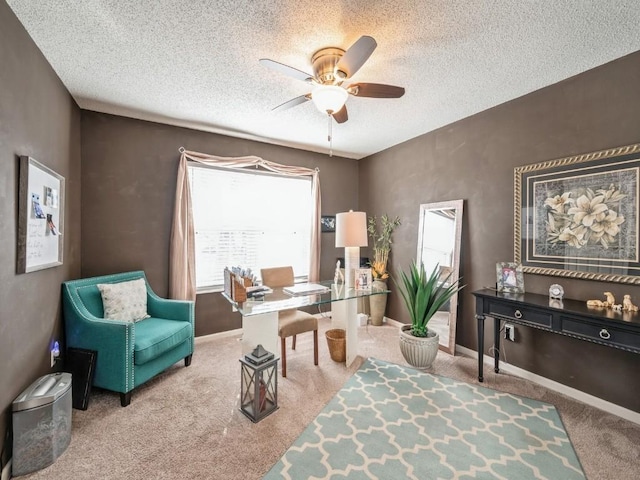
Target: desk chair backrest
x=277 y=277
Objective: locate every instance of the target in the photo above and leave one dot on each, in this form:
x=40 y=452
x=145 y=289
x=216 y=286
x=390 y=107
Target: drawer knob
x=518 y=314
x=605 y=334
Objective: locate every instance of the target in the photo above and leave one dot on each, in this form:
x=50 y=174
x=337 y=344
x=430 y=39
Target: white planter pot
x=419 y=352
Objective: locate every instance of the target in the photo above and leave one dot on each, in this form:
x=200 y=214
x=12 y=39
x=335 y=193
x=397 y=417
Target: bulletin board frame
x=41 y=193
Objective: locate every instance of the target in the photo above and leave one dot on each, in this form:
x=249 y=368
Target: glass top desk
x=260 y=317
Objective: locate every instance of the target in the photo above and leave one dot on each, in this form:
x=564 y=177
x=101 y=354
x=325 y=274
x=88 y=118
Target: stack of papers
x=305 y=289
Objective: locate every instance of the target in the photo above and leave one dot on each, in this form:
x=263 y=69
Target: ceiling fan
x=331 y=67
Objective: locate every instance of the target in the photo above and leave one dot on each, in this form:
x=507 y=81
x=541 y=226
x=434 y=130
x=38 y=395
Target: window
x=249 y=218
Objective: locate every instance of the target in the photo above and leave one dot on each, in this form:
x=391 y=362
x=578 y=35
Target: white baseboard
x=6 y=471
x=557 y=387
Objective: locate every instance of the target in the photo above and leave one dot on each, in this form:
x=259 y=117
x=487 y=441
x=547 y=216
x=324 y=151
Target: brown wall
x=128 y=184
x=37 y=118
x=473 y=159
x=128 y=188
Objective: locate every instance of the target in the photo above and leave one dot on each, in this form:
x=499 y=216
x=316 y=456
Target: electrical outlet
x=510 y=332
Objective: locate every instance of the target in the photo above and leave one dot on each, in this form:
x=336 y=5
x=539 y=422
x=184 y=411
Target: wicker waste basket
x=336 y=340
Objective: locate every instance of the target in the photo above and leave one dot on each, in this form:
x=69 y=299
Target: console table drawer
x=521 y=315
x=602 y=334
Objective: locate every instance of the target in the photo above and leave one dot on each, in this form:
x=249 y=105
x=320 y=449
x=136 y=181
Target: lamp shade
x=351 y=229
x=329 y=98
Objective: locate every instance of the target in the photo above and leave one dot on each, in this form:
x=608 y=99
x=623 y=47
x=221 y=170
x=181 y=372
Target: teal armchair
x=129 y=353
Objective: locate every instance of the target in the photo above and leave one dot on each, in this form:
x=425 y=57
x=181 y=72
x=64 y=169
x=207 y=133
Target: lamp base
x=351 y=262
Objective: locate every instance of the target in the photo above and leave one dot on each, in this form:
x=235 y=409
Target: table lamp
x=351 y=233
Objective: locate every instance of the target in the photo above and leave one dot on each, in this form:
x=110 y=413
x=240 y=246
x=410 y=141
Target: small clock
x=556 y=291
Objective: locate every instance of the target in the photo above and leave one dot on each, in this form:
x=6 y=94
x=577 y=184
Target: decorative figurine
x=596 y=303
x=627 y=305
x=608 y=303
x=611 y=300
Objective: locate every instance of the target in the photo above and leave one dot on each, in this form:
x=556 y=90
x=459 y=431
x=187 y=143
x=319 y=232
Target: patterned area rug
x=392 y=422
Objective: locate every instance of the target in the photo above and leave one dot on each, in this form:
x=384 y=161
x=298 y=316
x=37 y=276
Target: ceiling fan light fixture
x=329 y=98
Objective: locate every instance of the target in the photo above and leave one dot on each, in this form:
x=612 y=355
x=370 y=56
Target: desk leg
x=496 y=341
x=480 y=319
x=260 y=329
x=352 y=330
x=344 y=316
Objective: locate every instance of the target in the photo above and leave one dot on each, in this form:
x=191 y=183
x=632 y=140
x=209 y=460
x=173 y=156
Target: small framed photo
x=328 y=223
x=362 y=278
x=509 y=277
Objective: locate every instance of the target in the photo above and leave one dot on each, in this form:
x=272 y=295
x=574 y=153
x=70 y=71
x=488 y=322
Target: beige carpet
x=186 y=424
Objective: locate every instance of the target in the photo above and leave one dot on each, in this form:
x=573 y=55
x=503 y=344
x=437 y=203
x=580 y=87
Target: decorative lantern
x=259 y=384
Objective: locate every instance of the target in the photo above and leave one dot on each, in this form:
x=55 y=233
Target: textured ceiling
x=195 y=62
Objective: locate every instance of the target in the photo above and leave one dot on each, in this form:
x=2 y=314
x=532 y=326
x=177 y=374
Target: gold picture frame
x=579 y=216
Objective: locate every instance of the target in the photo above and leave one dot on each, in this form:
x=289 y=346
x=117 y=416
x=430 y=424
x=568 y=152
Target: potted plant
x=423 y=295
x=381 y=246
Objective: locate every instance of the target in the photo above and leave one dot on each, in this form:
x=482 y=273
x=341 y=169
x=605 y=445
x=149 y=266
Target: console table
x=605 y=326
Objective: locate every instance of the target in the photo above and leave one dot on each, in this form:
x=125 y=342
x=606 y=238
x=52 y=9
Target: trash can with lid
x=41 y=423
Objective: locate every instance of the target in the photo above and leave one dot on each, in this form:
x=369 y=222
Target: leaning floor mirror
x=439 y=235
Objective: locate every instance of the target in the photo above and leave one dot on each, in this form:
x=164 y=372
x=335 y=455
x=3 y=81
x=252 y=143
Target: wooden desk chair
x=290 y=322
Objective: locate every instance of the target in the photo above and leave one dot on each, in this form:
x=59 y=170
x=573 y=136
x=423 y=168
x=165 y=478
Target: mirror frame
x=457 y=206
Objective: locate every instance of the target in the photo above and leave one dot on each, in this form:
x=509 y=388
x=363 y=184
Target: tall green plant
x=381 y=243
x=424 y=295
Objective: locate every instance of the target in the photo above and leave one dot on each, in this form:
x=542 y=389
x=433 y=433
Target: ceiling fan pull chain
x=330 y=137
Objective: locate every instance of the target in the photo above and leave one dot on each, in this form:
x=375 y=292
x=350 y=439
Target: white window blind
x=249 y=218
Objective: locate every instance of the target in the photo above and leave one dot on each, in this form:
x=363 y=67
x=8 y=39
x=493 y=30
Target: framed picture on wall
x=328 y=223
x=40 y=217
x=578 y=216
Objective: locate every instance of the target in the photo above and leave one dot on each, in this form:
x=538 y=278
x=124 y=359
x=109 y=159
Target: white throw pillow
x=124 y=301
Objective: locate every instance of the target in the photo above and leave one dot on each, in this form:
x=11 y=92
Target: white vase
x=378 y=303
x=419 y=352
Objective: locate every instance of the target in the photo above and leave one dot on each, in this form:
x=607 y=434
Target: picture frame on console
x=362 y=277
x=578 y=216
x=509 y=277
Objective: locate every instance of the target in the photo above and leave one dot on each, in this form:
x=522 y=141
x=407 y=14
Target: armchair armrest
x=182 y=310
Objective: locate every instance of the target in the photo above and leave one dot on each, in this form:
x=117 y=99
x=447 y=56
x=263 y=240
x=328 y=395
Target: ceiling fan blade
x=292 y=103
x=375 y=90
x=286 y=69
x=356 y=55
x=341 y=116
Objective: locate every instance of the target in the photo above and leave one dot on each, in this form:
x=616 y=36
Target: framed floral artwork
x=509 y=277
x=578 y=216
